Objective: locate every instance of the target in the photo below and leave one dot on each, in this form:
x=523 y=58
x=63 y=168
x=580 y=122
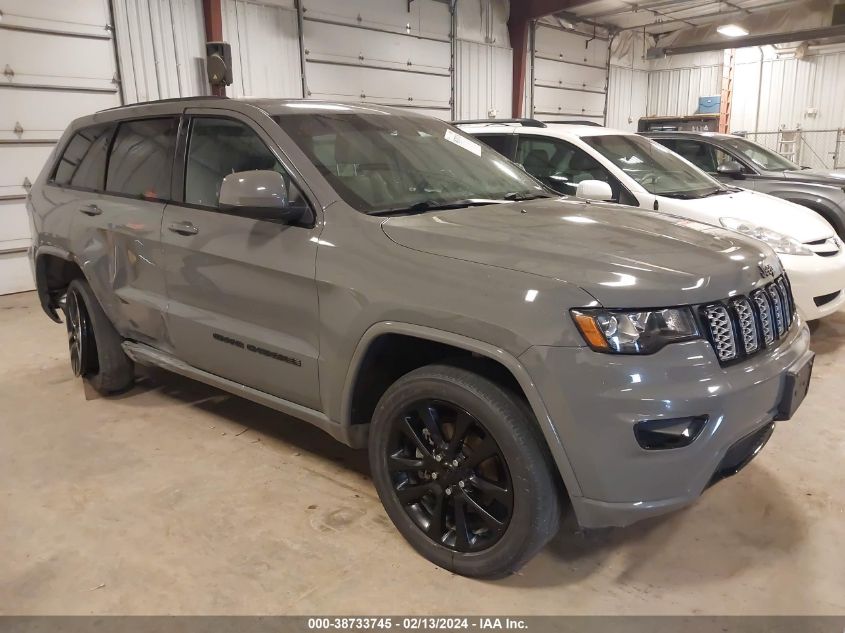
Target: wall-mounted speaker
x=219 y=63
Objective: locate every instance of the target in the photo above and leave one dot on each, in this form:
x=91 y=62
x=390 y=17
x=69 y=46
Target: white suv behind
x=594 y=162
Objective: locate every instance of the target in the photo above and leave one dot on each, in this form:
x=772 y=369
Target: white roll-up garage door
x=58 y=63
x=380 y=51
x=570 y=74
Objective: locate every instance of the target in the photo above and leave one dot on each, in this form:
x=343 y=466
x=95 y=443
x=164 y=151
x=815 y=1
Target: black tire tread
x=544 y=497
x=116 y=371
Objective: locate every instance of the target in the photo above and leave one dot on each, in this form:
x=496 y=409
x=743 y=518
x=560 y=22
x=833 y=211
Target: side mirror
x=261 y=195
x=594 y=190
x=730 y=168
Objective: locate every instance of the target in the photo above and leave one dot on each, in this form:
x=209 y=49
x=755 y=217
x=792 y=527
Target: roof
x=560 y=130
x=677 y=133
x=271 y=106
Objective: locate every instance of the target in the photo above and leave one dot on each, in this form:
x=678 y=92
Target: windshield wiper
x=434 y=205
x=522 y=196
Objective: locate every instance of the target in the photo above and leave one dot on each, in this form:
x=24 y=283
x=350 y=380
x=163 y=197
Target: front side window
x=381 y=163
x=83 y=163
x=218 y=147
x=654 y=167
x=558 y=164
x=760 y=156
x=141 y=160
x=502 y=143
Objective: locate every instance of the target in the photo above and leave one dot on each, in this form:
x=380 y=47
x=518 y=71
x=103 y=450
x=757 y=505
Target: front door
x=242 y=292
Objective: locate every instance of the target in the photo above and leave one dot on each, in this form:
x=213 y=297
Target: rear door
x=98 y=184
x=242 y=292
x=121 y=230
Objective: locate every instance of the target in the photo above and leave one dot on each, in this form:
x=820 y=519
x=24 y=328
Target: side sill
x=353 y=435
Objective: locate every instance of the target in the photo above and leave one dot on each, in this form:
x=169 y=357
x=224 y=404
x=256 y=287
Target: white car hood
x=763 y=210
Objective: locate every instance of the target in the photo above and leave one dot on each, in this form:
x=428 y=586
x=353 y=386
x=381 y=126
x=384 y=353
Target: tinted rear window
x=83 y=163
x=141 y=160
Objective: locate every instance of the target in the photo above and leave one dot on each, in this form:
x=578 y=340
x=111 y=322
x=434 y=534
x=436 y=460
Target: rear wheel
x=462 y=471
x=95 y=347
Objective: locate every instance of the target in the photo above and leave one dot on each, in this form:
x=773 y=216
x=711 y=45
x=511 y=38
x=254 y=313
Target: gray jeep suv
x=501 y=351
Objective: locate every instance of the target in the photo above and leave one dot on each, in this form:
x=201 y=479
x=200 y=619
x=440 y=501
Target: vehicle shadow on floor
x=268 y=425
x=828 y=335
x=746 y=521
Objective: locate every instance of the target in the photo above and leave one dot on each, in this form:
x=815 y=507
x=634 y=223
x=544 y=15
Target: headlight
x=781 y=243
x=633 y=331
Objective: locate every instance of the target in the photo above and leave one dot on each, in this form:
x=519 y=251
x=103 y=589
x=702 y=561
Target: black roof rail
x=157 y=101
x=576 y=122
x=522 y=122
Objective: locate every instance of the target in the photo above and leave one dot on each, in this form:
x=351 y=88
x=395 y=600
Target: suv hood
x=835 y=177
x=764 y=210
x=623 y=257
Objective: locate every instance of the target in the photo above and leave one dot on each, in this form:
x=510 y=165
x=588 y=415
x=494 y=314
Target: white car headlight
x=782 y=244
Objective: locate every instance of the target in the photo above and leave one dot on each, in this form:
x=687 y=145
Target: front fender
x=500 y=356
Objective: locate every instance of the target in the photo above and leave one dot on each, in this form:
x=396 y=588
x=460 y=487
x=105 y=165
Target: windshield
x=655 y=167
x=383 y=162
x=760 y=156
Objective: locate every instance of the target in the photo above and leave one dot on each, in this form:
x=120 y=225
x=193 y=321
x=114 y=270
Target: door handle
x=183 y=228
x=91 y=209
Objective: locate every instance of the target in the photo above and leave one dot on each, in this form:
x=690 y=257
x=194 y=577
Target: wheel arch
x=462 y=346
x=55 y=268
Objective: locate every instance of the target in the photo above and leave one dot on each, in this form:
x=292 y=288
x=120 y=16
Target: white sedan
x=603 y=164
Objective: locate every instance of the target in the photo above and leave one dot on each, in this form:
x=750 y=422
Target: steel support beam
x=522 y=14
x=212 y=13
x=750 y=40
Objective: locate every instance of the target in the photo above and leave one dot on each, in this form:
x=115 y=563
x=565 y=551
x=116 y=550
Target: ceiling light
x=731 y=30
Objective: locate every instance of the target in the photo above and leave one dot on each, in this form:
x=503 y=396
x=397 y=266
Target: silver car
x=504 y=353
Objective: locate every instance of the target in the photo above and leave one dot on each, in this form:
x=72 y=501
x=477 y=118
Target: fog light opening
x=658 y=435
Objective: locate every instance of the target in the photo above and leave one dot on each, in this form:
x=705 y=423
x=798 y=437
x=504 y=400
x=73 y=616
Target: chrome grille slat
x=765 y=311
x=774 y=295
x=741 y=326
x=747 y=325
x=787 y=307
x=722 y=332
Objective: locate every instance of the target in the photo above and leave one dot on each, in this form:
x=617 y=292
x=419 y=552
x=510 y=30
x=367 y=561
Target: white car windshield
x=659 y=170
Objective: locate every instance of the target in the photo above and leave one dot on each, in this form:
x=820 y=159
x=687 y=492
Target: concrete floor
x=177 y=498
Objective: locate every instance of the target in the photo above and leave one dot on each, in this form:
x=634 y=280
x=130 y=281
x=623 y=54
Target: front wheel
x=462 y=471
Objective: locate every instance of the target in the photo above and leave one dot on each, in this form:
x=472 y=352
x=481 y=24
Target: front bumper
x=594 y=401
x=814 y=278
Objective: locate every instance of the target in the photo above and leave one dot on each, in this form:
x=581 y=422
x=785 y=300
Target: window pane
x=561 y=165
x=378 y=162
x=219 y=147
x=84 y=161
x=498 y=142
x=698 y=154
x=141 y=160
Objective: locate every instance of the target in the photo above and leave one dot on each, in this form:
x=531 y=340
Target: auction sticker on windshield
x=460 y=141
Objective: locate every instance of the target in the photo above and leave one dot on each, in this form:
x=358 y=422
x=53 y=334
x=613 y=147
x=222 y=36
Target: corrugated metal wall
x=161 y=48
x=265 y=48
x=675 y=83
x=789 y=87
x=380 y=51
x=483 y=60
x=627 y=94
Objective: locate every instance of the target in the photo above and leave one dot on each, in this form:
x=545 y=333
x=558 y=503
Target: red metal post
x=212 y=13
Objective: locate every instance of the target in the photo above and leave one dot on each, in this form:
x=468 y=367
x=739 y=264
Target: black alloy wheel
x=450 y=475
x=83 y=353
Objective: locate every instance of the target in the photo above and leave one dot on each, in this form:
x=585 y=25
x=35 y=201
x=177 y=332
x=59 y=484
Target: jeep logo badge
x=766 y=270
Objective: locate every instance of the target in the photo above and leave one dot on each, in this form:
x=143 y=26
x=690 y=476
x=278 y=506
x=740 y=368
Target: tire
x=95 y=347
x=404 y=453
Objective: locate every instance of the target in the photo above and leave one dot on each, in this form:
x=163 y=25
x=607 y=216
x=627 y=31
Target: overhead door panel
x=73 y=73
x=570 y=73
x=380 y=51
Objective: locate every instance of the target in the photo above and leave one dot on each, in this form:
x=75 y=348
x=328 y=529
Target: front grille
x=744 y=325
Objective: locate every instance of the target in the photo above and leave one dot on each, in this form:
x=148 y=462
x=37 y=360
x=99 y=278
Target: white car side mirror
x=593 y=190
